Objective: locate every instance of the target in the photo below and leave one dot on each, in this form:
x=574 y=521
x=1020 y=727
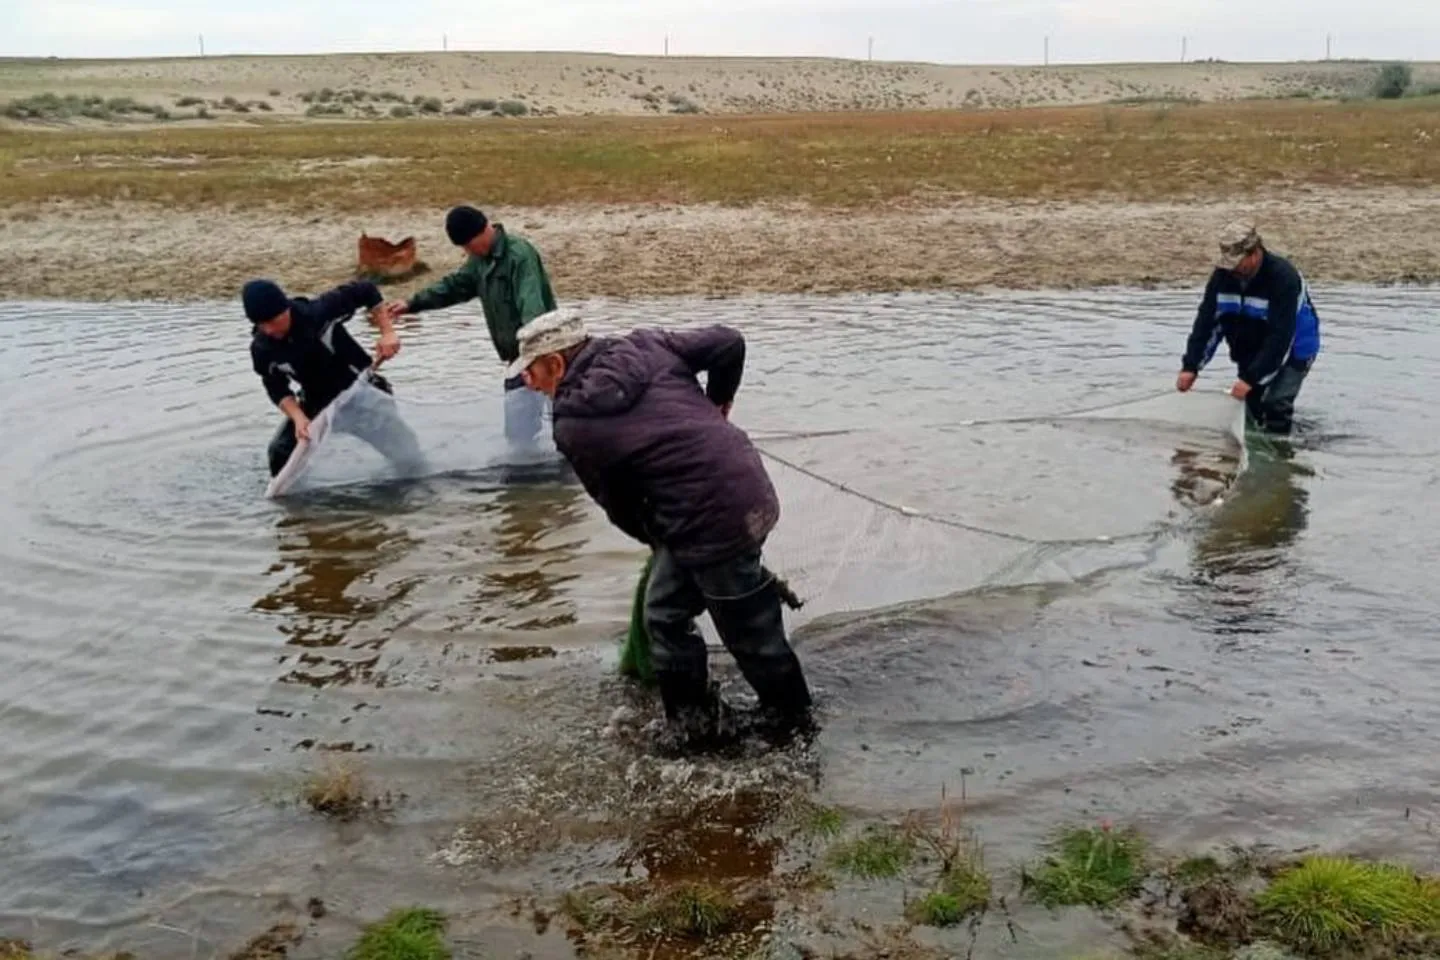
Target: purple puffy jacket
x=654 y=450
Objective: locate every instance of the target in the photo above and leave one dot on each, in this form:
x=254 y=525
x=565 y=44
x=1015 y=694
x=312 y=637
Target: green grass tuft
x=1327 y=903
x=969 y=884
x=964 y=891
x=408 y=934
x=1196 y=870
x=689 y=910
x=824 y=822
x=1097 y=867
x=936 y=910
x=881 y=852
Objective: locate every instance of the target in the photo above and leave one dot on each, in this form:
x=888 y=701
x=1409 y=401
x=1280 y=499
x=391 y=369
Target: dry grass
x=830 y=160
x=336 y=789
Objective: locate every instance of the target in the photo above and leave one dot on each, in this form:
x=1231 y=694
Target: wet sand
x=133 y=252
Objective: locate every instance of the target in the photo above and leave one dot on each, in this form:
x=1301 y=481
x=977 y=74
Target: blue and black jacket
x=319 y=353
x=1268 y=321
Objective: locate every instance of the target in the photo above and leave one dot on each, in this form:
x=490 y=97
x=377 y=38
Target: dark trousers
x=389 y=434
x=1273 y=408
x=741 y=597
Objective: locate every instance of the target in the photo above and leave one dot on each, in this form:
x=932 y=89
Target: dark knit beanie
x=264 y=300
x=463 y=224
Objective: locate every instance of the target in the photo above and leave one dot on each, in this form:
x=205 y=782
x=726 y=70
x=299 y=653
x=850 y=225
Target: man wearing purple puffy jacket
x=657 y=452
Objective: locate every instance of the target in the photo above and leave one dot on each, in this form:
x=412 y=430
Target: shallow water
x=177 y=650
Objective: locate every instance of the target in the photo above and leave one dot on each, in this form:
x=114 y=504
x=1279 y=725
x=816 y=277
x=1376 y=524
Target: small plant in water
x=811 y=820
x=415 y=933
x=880 y=852
x=935 y=910
x=1098 y=867
x=1328 y=903
x=690 y=910
x=337 y=789
x=964 y=886
x=1195 y=870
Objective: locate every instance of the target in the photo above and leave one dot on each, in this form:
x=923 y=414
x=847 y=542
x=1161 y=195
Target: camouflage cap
x=1237 y=239
x=552 y=332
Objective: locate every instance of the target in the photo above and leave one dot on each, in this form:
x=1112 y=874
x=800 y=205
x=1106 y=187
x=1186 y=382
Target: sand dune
x=578 y=83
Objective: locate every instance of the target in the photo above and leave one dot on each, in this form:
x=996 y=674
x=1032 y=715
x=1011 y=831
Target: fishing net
x=875 y=519
x=366 y=434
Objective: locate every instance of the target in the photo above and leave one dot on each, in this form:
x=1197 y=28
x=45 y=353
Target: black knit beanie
x=263 y=300
x=463 y=224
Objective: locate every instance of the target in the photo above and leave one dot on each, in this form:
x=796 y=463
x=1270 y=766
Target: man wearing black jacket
x=1260 y=305
x=305 y=341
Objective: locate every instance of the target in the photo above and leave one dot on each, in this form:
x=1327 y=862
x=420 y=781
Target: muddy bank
x=134 y=252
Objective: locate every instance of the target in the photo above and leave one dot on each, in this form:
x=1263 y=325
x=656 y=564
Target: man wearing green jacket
x=507 y=276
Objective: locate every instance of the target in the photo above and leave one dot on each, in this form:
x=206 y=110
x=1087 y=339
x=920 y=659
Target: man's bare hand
x=387 y=346
x=389 y=310
x=1240 y=390
x=1185 y=381
x=302 y=428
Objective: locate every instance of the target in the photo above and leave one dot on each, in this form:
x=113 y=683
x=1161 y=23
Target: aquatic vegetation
x=413 y=933
x=825 y=822
x=688 y=910
x=964 y=887
x=1098 y=866
x=962 y=892
x=1194 y=870
x=811 y=820
x=685 y=911
x=880 y=852
x=936 y=910
x=337 y=789
x=1329 y=903
x=590 y=909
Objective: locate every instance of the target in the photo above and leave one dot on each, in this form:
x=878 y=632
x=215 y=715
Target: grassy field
x=844 y=161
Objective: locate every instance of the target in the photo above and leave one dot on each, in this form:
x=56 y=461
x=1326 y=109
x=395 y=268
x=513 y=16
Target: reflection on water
x=535 y=531
x=1242 y=556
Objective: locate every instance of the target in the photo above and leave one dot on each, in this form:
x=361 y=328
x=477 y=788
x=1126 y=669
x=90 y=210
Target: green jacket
x=512 y=286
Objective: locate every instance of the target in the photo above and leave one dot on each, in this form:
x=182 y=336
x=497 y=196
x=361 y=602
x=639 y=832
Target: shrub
x=1393 y=80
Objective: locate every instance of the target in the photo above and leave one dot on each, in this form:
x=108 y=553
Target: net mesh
x=874 y=519
x=367 y=434
x=905 y=515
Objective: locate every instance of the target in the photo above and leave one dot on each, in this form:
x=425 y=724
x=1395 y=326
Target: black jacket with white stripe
x=1268 y=321
x=318 y=353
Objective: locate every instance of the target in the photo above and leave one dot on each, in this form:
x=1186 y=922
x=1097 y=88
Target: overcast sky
x=957 y=31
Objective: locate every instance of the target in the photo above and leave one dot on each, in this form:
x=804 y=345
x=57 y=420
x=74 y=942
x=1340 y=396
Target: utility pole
x=1047 y=51
x=1327 y=46
x=202 y=44
x=445 y=41
x=1184 y=44
x=667 y=44
x=870 y=52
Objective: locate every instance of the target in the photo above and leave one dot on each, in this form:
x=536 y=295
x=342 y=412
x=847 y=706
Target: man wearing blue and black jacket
x=1259 y=303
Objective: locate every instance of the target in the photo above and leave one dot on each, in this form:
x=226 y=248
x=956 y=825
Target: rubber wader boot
x=753 y=629
x=697 y=719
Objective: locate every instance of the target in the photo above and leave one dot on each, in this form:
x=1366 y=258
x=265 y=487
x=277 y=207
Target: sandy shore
x=576 y=83
x=123 y=252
